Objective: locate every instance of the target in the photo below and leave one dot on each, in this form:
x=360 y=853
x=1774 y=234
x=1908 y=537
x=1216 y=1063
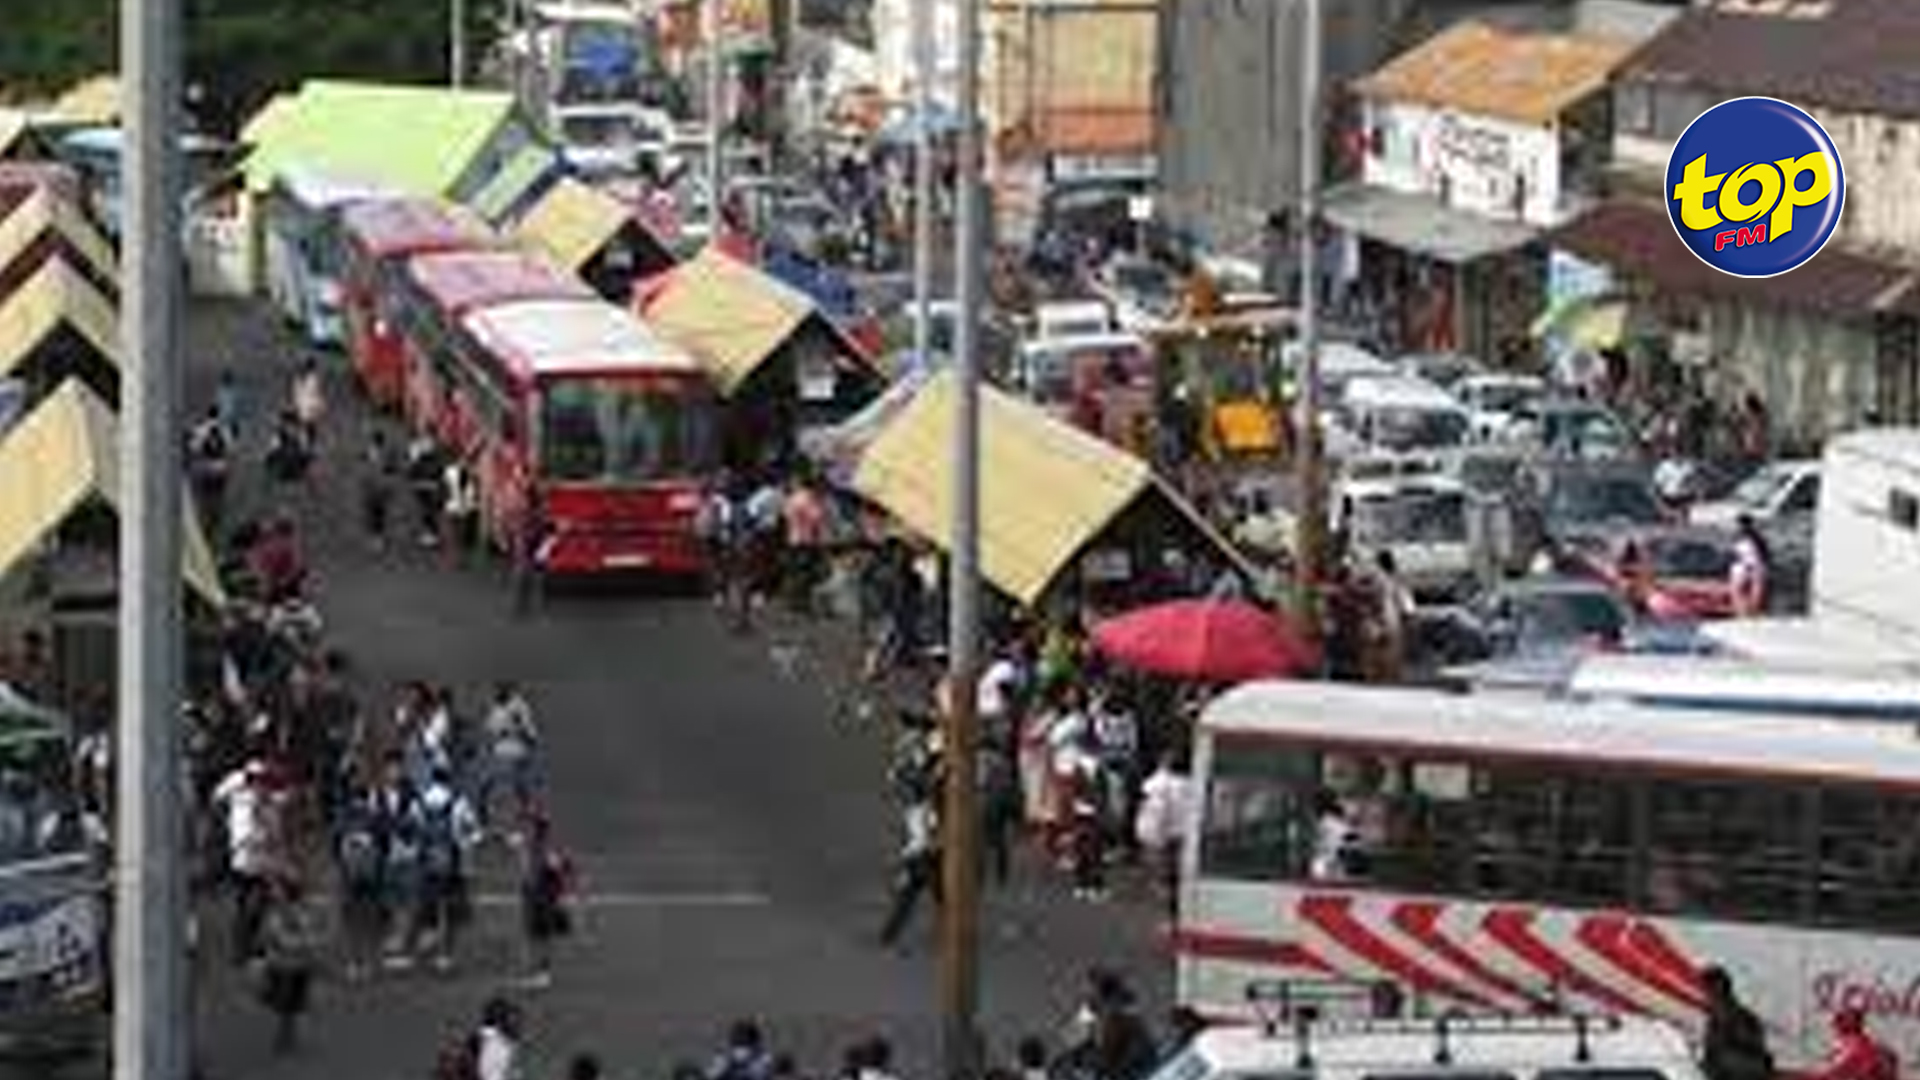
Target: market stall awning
x=55 y=296
x=60 y=455
x=572 y=222
x=1638 y=241
x=1422 y=224
x=1047 y=489
x=43 y=212
x=732 y=316
x=13 y=130
x=91 y=102
x=505 y=191
x=417 y=140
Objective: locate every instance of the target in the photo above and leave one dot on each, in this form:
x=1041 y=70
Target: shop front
x=1434 y=279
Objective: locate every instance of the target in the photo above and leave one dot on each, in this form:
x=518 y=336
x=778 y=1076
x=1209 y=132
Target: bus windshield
x=619 y=431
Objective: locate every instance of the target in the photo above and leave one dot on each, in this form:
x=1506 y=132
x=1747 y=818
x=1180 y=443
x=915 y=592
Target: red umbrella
x=1213 y=640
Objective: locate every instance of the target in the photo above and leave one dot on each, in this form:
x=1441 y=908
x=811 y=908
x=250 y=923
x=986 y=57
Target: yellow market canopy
x=55 y=296
x=91 y=102
x=572 y=222
x=732 y=317
x=1046 y=488
x=62 y=454
x=42 y=212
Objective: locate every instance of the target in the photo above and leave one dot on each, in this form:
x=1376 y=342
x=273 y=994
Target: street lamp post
x=926 y=68
x=1310 y=534
x=150 y=1014
x=712 y=32
x=960 y=915
x=456 y=43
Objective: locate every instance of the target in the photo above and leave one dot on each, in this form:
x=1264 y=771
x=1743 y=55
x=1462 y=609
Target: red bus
x=436 y=292
x=614 y=426
x=379 y=236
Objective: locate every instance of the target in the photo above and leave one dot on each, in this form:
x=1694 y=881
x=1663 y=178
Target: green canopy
x=503 y=193
x=418 y=140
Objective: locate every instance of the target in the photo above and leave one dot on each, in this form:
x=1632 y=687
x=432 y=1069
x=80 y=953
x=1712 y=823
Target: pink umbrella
x=1211 y=640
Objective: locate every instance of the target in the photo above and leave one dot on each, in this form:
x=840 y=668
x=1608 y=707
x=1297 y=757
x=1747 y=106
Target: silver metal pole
x=960 y=940
x=926 y=67
x=1311 y=569
x=151 y=1017
x=714 y=33
x=457 y=43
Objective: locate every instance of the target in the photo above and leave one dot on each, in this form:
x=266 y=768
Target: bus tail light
x=683 y=502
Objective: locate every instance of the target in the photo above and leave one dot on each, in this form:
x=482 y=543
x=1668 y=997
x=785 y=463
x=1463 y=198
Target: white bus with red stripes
x=1516 y=854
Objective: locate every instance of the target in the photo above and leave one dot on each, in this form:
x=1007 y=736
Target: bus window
x=1869 y=859
x=1259 y=812
x=1725 y=849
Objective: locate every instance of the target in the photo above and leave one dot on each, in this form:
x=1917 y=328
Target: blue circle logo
x=1755 y=187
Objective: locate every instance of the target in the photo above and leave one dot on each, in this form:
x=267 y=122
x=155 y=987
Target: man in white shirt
x=512 y=739
x=250 y=803
x=497 y=1042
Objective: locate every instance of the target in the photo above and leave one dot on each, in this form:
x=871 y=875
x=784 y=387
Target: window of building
x=1674 y=107
x=1903 y=509
x=1633 y=108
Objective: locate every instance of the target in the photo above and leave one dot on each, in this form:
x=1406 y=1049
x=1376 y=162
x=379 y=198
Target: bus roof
x=1686 y=741
x=1721 y=682
x=383 y=227
x=457 y=282
x=552 y=337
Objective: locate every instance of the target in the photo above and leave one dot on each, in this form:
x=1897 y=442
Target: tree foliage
x=239 y=52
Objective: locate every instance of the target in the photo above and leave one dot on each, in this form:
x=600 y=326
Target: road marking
x=739 y=899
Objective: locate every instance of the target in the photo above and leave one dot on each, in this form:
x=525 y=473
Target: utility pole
x=151 y=1019
x=1310 y=538
x=960 y=1043
x=456 y=43
x=926 y=66
x=713 y=31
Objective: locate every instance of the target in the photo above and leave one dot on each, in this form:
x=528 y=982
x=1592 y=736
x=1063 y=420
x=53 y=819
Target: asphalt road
x=726 y=811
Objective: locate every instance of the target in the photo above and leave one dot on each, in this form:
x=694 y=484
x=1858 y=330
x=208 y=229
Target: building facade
x=1834 y=343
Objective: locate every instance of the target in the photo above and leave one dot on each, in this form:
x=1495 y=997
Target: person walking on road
x=209 y=464
x=745 y=1057
x=378 y=481
x=1734 y=1046
x=918 y=872
x=290 y=945
x=308 y=400
x=460 y=508
x=425 y=480
x=546 y=883
x=511 y=742
x=447 y=831
x=497 y=1044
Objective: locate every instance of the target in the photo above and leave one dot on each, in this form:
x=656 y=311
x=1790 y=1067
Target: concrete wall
x=1477 y=163
x=1229 y=139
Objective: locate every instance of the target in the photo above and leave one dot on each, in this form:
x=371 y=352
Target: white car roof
x=1400 y=392
x=1386 y=487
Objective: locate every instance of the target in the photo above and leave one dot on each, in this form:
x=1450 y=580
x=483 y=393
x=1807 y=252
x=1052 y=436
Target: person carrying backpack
x=362 y=852
x=445 y=829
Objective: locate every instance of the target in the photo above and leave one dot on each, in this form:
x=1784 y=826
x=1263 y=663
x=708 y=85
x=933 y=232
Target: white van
x=1445 y=1048
x=1396 y=414
x=1072 y=318
x=1422 y=521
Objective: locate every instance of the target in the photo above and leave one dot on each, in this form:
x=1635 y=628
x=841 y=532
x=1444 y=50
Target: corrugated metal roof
x=731 y=316
x=45 y=211
x=505 y=190
x=1489 y=71
x=1856 y=55
x=61 y=454
x=56 y=295
x=1421 y=223
x=415 y=139
x=1639 y=241
x=1046 y=488
x=572 y=222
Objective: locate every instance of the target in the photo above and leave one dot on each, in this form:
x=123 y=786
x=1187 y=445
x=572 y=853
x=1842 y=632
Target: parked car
x=1540 y=617
x=1780 y=497
x=1567 y=503
x=1443 y=369
x=1492 y=401
x=1397 y=414
x=1571 y=428
x=1681 y=572
x=1140 y=292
